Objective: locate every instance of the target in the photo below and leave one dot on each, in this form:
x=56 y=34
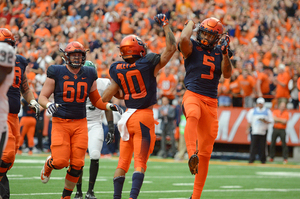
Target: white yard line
x=179 y=191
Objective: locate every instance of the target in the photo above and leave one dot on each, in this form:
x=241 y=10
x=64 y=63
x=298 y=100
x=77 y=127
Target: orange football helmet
x=74 y=47
x=132 y=46
x=7 y=36
x=209 y=33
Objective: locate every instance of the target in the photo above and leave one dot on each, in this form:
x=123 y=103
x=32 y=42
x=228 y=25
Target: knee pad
x=74 y=172
x=60 y=163
x=5 y=164
x=95 y=155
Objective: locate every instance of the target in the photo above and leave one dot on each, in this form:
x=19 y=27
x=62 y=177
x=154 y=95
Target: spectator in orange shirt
x=281 y=117
x=237 y=100
x=247 y=86
x=282 y=91
x=263 y=82
x=6 y=13
x=42 y=31
x=223 y=92
x=167 y=85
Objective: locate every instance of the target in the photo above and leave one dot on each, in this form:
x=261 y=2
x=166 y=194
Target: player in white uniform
x=7 y=64
x=95 y=117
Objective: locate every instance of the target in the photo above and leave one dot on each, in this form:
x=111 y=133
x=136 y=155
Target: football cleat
x=78 y=195
x=45 y=178
x=90 y=195
x=193 y=163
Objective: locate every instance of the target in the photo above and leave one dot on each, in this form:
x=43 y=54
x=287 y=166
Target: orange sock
x=190 y=135
x=200 y=178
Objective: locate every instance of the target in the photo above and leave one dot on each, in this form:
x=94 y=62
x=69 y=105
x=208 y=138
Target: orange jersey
x=283 y=91
x=167 y=84
x=246 y=84
x=281 y=115
x=265 y=82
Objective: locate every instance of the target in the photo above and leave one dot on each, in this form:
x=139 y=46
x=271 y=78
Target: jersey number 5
x=212 y=66
x=69 y=91
x=132 y=90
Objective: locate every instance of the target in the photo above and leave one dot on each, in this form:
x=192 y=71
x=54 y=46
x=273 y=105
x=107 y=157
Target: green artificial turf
x=165 y=179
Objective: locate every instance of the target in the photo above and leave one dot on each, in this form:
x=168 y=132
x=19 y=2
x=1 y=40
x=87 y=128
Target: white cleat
x=44 y=178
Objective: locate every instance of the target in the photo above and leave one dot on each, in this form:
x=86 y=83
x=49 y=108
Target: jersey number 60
x=69 y=91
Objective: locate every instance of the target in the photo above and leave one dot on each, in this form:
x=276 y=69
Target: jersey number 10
x=131 y=91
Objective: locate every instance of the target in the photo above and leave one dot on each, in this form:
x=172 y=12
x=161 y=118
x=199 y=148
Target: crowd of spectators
x=264 y=39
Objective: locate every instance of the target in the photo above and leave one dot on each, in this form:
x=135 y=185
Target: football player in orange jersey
x=71 y=85
x=136 y=77
x=19 y=86
x=205 y=61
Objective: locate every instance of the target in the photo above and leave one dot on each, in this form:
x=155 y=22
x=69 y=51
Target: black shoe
x=90 y=195
x=78 y=195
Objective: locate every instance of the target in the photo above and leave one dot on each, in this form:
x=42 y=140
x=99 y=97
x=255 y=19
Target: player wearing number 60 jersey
x=18 y=87
x=136 y=77
x=204 y=62
x=71 y=85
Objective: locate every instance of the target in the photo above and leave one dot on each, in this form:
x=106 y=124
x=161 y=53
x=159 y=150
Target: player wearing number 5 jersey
x=204 y=62
x=71 y=85
x=136 y=77
x=18 y=87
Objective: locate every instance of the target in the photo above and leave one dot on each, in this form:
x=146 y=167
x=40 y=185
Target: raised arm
x=185 y=44
x=226 y=63
x=170 y=49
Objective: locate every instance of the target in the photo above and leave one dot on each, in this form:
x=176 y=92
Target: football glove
x=36 y=107
x=52 y=108
x=193 y=163
x=115 y=107
x=110 y=138
x=225 y=44
x=161 y=19
x=111 y=133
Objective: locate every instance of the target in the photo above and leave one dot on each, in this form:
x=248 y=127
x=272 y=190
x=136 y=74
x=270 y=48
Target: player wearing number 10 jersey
x=71 y=85
x=205 y=62
x=136 y=77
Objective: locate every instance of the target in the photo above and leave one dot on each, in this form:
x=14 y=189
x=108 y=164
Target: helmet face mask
x=75 y=54
x=7 y=36
x=132 y=46
x=209 y=33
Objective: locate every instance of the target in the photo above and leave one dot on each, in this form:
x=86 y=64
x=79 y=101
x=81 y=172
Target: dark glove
x=111 y=133
x=36 y=107
x=52 y=108
x=115 y=107
x=161 y=19
x=225 y=44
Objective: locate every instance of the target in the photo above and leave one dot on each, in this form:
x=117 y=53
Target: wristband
x=48 y=104
x=33 y=102
x=111 y=126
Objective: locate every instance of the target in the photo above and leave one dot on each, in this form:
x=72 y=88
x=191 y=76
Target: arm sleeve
x=153 y=58
x=97 y=100
x=51 y=72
